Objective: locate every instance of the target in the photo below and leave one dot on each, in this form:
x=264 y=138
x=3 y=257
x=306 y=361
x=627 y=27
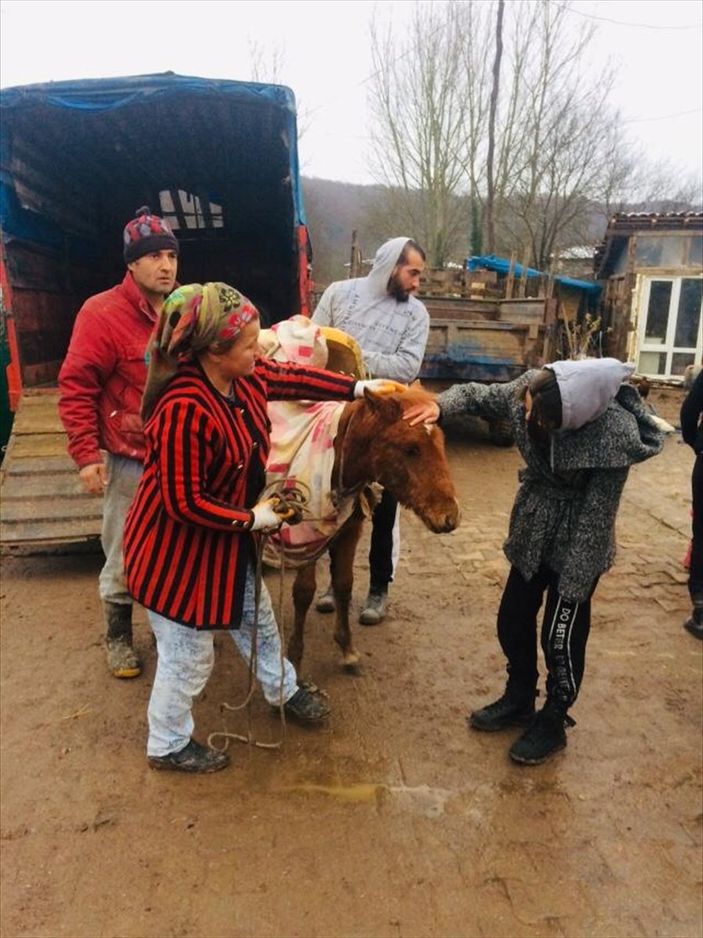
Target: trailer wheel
x=501 y=432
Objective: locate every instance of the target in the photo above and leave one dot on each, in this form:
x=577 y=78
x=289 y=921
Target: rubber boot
x=122 y=660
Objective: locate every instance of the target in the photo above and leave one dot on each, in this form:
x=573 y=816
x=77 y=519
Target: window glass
x=680 y=361
x=658 y=312
x=688 y=316
x=652 y=363
x=660 y=250
x=695 y=251
x=648 y=251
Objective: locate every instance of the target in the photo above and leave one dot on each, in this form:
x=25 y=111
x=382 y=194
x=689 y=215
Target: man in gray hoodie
x=579 y=429
x=391 y=326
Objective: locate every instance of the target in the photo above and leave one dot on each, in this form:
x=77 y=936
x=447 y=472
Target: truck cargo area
x=80 y=157
x=217 y=159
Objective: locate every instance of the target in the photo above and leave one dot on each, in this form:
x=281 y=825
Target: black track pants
x=565 y=628
x=381 y=552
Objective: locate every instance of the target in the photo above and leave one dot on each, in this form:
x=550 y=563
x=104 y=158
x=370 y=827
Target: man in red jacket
x=101 y=384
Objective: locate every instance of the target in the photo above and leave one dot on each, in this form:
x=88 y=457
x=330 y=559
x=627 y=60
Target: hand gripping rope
x=290 y=506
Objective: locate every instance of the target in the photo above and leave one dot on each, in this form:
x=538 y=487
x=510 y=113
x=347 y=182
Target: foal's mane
x=404 y=397
x=414 y=394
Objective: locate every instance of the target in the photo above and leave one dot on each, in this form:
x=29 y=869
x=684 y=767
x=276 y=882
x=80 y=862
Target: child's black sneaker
x=510 y=710
x=543 y=737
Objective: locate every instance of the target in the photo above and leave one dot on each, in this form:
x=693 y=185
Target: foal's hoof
x=351 y=662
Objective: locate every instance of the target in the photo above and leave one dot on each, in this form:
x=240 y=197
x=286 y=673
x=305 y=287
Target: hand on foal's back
x=426 y=412
x=378 y=386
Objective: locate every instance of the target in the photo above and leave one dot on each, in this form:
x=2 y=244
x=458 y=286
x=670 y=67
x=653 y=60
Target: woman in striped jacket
x=189 y=536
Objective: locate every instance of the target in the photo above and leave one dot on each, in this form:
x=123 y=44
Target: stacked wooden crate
x=457 y=282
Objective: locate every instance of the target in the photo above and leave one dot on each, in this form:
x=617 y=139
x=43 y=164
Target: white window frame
x=667 y=347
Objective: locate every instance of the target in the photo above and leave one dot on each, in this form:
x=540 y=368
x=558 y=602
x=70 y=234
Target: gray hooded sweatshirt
x=564 y=512
x=392 y=335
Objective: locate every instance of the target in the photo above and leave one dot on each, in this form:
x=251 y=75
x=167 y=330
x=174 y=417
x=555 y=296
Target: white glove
x=377 y=386
x=265 y=516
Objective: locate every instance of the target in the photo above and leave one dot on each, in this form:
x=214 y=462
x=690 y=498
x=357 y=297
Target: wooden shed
x=652 y=269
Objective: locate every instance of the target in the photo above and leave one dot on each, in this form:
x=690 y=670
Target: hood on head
x=587 y=387
x=384 y=263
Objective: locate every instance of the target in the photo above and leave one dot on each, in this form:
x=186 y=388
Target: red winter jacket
x=103 y=375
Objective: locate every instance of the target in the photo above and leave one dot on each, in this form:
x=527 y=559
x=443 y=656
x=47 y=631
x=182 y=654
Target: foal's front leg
x=303 y=592
x=342 y=552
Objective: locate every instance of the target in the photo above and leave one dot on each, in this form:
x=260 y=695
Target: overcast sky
x=326 y=59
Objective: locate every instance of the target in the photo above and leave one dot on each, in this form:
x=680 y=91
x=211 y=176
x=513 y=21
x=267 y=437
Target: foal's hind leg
x=303 y=592
x=342 y=552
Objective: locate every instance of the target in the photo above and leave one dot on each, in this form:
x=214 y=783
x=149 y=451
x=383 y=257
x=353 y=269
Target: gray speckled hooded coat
x=565 y=508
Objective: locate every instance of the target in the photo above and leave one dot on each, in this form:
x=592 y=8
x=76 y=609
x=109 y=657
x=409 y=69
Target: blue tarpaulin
x=103 y=95
x=502 y=266
x=217 y=158
x=100 y=94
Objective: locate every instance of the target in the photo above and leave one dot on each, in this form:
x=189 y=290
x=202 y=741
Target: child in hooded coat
x=579 y=429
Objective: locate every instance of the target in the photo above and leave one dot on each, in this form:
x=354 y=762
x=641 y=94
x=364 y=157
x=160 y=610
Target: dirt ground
x=394 y=820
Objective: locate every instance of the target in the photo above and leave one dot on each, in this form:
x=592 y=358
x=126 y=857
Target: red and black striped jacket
x=186 y=541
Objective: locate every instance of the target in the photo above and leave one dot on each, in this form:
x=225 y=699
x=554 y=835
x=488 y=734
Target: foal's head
x=410 y=462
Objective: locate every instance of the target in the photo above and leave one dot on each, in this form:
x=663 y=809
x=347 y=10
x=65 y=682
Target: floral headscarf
x=194 y=318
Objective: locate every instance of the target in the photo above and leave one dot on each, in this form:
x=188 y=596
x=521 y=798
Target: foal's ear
x=385 y=406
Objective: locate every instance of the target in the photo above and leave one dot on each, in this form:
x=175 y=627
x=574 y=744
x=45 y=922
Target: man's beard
x=396 y=290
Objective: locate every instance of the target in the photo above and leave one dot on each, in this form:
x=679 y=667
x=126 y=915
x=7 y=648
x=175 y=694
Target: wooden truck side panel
x=484 y=340
x=42 y=498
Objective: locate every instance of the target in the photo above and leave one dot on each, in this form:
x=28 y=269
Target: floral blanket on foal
x=302 y=449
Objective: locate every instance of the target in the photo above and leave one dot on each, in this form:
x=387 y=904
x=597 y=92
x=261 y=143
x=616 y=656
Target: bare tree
x=475 y=23
x=561 y=116
x=267 y=62
x=660 y=186
x=522 y=160
x=416 y=97
x=490 y=187
x=268 y=65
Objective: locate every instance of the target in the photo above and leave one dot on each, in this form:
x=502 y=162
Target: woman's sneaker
x=192 y=758
x=307 y=706
x=508 y=710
